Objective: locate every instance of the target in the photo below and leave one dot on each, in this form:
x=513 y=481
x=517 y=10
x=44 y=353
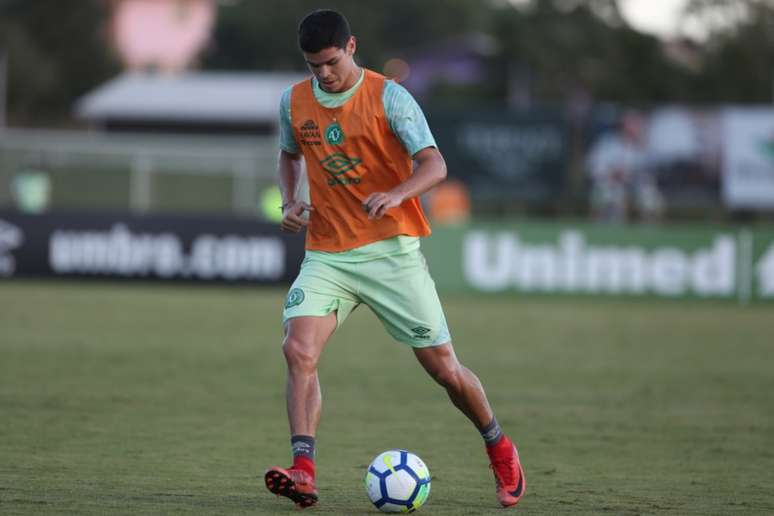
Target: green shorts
x=397 y=288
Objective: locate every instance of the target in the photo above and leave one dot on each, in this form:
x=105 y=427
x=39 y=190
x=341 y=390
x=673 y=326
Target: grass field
x=142 y=399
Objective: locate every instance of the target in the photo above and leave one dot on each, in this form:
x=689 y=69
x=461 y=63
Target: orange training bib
x=351 y=152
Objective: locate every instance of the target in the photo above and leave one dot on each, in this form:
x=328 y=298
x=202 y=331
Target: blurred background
x=612 y=112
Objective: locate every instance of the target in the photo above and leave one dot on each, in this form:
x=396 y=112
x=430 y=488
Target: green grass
x=142 y=399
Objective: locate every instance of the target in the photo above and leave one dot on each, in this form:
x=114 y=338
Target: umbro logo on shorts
x=420 y=332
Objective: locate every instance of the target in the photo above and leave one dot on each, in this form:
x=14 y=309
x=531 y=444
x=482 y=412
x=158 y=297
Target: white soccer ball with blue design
x=397 y=481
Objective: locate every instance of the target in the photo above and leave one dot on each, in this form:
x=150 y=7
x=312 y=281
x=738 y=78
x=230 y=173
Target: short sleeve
x=287 y=140
x=406 y=118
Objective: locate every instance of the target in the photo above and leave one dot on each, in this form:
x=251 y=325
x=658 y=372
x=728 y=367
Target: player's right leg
x=319 y=300
x=305 y=338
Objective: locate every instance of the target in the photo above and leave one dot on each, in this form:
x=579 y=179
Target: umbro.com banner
x=147 y=247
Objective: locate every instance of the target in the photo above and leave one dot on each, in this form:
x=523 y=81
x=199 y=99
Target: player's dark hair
x=321 y=29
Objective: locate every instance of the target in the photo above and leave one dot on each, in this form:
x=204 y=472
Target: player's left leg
x=467 y=394
x=400 y=291
x=463 y=387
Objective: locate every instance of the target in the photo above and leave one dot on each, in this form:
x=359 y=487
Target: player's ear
x=351 y=46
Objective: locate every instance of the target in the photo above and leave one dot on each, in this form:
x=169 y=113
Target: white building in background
x=189 y=102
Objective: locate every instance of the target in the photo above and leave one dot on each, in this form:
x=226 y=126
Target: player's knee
x=448 y=376
x=298 y=356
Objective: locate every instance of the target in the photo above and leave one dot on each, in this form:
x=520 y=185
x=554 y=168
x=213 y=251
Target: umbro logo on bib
x=338 y=164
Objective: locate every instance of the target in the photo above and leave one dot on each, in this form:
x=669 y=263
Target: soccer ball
x=397 y=481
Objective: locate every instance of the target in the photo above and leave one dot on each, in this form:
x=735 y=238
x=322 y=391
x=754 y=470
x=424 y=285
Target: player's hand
x=292 y=216
x=378 y=203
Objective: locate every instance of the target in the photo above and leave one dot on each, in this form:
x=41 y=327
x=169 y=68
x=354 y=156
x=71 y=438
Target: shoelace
x=504 y=471
x=299 y=477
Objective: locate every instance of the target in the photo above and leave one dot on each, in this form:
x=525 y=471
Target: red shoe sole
x=279 y=482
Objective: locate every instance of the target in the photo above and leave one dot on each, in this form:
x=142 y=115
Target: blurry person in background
x=620 y=176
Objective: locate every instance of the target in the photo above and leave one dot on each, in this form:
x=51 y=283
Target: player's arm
x=289 y=176
x=408 y=123
x=430 y=170
x=289 y=171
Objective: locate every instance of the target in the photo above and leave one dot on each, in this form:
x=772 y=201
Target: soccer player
x=369 y=155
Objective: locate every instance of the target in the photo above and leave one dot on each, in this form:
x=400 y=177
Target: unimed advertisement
x=604 y=260
x=748 y=164
x=147 y=247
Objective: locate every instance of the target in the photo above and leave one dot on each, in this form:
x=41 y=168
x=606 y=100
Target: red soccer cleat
x=296 y=484
x=509 y=475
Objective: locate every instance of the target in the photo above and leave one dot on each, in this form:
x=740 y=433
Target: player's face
x=334 y=67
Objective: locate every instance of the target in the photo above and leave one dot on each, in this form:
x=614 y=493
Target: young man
x=358 y=134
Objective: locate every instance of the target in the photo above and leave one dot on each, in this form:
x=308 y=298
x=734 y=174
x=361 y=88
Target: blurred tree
x=607 y=10
x=739 y=53
x=262 y=35
x=716 y=16
x=546 y=51
x=571 y=46
x=55 y=53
